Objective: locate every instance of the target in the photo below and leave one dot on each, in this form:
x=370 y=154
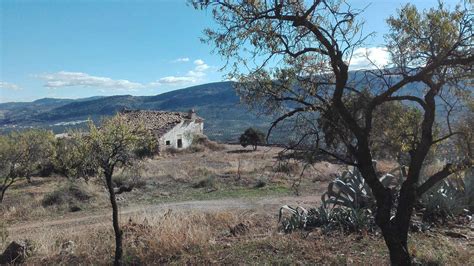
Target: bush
x=69 y=194
x=202 y=143
x=260 y=183
x=253 y=137
x=130 y=177
x=208 y=182
x=46 y=169
x=287 y=168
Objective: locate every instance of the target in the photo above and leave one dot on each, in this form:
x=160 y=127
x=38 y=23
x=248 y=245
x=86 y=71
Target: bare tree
x=292 y=57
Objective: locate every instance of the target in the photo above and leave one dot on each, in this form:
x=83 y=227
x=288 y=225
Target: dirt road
x=78 y=222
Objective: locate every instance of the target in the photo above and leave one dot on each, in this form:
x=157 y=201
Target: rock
x=165 y=194
x=16 y=252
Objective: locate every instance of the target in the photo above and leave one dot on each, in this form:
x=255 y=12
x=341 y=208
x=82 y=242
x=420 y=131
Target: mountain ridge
x=216 y=102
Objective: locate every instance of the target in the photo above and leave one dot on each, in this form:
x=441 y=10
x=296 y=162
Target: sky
x=84 y=48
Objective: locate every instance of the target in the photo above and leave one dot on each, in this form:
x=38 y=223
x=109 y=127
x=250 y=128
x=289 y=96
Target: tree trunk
x=2 y=194
x=395 y=230
x=4 y=188
x=398 y=250
x=115 y=221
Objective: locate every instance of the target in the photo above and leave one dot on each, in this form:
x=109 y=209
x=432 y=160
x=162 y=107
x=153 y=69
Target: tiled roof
x=159 y=122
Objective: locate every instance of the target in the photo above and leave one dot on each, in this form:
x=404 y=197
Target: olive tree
x=72 y=157
x=292 y=58
x=22 y=154
x=112 y=145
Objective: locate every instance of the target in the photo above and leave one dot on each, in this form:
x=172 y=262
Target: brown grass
x=197 y=237
x=205 y=238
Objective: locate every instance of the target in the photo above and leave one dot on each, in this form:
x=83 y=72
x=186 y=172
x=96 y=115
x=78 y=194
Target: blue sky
x=82 y=48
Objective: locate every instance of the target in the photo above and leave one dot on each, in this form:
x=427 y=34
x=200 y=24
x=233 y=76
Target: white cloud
x=195 y=75
x=72 y=79
x=174 y=80
x=198 y=62
x=79 y=79
x=181 y=59
x=9 y=86
x=362 y=57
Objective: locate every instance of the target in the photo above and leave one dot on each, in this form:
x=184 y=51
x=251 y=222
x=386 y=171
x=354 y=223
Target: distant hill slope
x=225 y=118
x=218 y=103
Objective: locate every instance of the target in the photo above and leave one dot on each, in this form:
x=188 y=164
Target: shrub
x=173 y=151
x=201 y=143
x=208 y=182
x=260 y=183
x=69 y=194
x=130 y=176
x=253 y=137
x=286 y=167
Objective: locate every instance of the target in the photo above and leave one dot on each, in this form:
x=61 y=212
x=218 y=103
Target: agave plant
x=346 y=204
x=298 y=218
x=350 y=189
x=451 y=197
x=337 y=218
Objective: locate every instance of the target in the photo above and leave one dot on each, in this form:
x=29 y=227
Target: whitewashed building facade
x=171 y=129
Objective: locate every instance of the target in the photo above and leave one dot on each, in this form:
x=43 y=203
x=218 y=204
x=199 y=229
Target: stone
x=16 y=252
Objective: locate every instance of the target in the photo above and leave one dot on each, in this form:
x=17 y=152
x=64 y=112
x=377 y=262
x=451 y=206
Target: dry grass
x=177 y=237
x=147 y=239
x=25 y=202
x=190 y=236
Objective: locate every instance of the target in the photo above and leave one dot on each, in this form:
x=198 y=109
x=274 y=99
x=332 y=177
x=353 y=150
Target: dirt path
x=79 y=222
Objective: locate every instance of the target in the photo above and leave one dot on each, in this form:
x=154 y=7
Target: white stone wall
x=185 y=131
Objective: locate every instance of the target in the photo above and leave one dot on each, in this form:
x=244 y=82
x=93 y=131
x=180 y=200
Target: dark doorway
x=180 y=143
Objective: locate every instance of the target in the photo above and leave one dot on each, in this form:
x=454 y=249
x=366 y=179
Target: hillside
x=226 y=118
x=216 y=102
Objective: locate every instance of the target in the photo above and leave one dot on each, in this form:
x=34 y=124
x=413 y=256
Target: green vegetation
x=253 y=137
x=115 y=144
x=335 y=114
x=23 y=154
x=217 y=103
x=72 y=194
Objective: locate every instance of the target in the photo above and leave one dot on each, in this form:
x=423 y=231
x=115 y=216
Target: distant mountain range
x=225 y=117
x=218 y=103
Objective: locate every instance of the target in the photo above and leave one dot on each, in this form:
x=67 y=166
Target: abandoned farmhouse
x=171 y=129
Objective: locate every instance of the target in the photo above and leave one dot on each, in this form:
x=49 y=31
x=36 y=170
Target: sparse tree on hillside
x=113 y=145
x=252 y=137
x=22 y=154
x=302 y=52
x=72 y=157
